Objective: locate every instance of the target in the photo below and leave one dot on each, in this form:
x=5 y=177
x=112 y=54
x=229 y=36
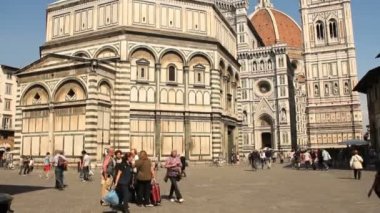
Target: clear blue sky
x=22 y=30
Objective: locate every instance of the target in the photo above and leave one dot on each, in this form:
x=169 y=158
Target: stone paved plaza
x=210 y=189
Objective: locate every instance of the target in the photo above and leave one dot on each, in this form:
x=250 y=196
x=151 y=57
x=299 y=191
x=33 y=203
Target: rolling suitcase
x=155 y=195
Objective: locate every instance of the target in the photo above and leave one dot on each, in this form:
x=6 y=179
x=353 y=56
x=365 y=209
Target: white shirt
x=262 y=155
x=86 y=160
x=56 y=159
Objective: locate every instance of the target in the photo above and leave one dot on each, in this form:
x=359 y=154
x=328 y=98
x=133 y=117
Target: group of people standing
x=263 y=158
x=26 y=165
x=316 y=159
x=132 y=176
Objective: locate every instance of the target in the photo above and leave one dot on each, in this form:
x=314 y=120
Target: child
x=47 y=166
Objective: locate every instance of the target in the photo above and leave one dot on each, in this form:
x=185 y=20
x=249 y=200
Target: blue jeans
x=58 y=177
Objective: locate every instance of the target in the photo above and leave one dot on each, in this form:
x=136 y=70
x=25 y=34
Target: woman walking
x=356 y=164
x=173 y=165
x=145 y=174
x=123 y=180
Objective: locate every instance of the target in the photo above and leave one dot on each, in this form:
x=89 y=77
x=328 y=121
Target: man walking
x=86 y=166
x=326 y=159
x=60 y=163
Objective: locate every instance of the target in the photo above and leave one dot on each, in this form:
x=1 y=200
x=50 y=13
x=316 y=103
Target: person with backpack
x=60 y=163
x=123 y=180
x=108 y=173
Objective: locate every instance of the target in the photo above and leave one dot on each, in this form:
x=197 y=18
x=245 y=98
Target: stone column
x=122 y=96
x=90 y=136
x=51 y=129
x=18 y=127
x=157 y=121
x=217 y=108
x=186 y=115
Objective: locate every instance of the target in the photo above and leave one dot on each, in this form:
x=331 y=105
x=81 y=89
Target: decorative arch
x=172 y=96
x=144 y=48
x=192 y=97
x=134 y=94
x=266 y=118
x=164 y=96
x=68 y=84
x=199 y=98
x=206 y=98
x=104 y=49
x=82 y=54
x=30 y=91
x=175 y=51
x=204 y=55
x=107 y=82
x=142 y=94
x=179 y=97
x=150 y=95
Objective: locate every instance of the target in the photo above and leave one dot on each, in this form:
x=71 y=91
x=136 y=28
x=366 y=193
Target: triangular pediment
x=264 y=107
x=199 y=67
x=52 y=61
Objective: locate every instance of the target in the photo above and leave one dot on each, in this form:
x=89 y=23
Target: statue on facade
x=283 y=115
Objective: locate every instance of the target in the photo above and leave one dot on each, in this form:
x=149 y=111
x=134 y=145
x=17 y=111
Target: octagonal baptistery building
x=154 y=75
x=272 y=73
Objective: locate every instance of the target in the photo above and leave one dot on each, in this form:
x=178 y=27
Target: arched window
x=245 y=117
x=333 y=27
x=261 y=65
x=316 y=90
x=270 y=64
x=172 y=73
x=254 y=66
x=320 y=29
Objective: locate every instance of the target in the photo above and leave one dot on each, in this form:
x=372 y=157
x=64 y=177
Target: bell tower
x=333 y=109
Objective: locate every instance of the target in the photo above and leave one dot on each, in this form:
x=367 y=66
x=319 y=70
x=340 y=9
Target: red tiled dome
x=274 y=26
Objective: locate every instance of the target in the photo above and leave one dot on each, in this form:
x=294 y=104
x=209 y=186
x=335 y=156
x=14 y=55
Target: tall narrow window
x=320 y=30
x=316 y=90
x=8 y=89
x=142 y=69
x=199 y=71
x=333 y=29
x=254 y=66
x=261 y=65
x=270 y=64
x=7 y=105
x=142 y=72
x=172 y=73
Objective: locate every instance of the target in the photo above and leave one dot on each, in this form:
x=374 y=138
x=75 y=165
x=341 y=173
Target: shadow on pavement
x=19 y=189
x=346 y=178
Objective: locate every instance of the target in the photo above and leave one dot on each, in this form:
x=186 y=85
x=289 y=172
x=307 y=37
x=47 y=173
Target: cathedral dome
x=274 y=26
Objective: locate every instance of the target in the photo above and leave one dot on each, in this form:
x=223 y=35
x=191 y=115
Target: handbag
x=111 y=198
